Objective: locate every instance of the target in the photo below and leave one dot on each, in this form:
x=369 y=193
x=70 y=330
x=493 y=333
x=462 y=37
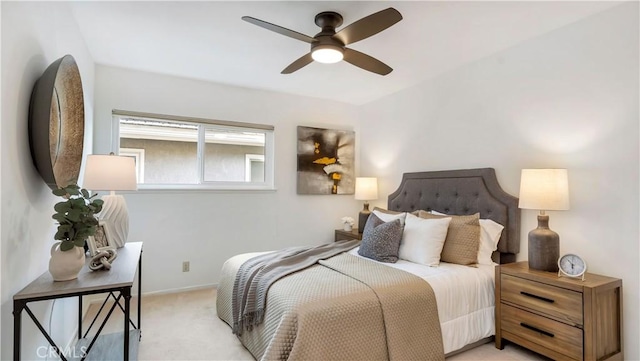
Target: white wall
x=206 y=228
x=33 y=36
x=567 y=99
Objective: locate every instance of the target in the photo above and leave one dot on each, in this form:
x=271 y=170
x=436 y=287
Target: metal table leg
x=18 y=306
x=126 y=292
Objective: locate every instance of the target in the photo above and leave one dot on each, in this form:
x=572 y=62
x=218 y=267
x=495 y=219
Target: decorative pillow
x=388 y=216
x=490 y=232
x=463 y=238
x=381 y=240
x=423 y=239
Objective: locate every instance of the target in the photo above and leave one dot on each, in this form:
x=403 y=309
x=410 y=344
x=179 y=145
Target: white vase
x=348 y=227
x=65 y=265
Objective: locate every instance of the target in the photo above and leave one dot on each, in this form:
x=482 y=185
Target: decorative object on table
x=572 y=265
x=112 y=173
x=65 y=265
x=544 y=190
x=325 y=161
x=103 y=259
x=101 y=251
x=366 y=190
x=76 y=222
x=100 y=239
x=347 y=223
x=56 y=123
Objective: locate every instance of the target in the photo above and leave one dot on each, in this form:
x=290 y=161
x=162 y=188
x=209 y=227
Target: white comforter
x=465 y=297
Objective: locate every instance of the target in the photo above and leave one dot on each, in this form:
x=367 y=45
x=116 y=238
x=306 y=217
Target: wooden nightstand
x=559 y=317
x=342 y=235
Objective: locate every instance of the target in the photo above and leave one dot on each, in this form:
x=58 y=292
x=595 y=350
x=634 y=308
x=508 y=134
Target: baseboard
x=99 y=298
x=181 y=289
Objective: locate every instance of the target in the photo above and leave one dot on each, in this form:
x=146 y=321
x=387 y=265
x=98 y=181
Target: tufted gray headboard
x=463 y=192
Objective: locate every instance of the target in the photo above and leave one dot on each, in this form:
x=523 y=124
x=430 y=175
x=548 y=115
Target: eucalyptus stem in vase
x=75 y=216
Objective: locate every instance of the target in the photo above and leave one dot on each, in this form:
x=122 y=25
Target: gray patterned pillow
x=380 y=240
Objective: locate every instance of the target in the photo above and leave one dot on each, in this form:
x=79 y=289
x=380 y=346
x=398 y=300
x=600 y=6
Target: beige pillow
x=389 y=216
x=463 y=238
x=490 y=233
x=386 y=211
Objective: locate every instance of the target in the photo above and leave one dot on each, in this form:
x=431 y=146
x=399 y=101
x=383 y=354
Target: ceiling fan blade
x=366 y=62
x=278 y=29
x=369 y=25
x=298 y=64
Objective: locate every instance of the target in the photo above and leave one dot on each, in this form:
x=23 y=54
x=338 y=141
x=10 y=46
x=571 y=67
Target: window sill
x=165 y=188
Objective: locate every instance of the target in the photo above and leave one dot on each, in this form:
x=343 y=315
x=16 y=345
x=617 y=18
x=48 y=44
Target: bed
x=300 y=314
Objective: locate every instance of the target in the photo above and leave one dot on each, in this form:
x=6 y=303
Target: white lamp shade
x=544 y=189
x=110 y=173
x=366 y=188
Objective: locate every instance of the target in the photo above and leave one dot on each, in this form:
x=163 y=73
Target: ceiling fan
x=330 y=47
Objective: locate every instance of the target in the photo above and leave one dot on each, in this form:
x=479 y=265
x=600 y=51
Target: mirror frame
x=56 y=123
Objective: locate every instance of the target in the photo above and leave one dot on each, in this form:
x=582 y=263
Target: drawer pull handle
x=536 y=329
x=537 y=297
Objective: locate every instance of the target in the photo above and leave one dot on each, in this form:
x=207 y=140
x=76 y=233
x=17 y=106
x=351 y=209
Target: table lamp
x=112 y=173
x=544 y=190
x=366 y=190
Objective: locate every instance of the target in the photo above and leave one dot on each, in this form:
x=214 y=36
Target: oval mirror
x=56 y=123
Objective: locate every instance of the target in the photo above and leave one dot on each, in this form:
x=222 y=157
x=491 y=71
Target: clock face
x=572 y=265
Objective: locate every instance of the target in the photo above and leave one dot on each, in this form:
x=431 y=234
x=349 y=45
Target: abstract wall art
x=325 y=161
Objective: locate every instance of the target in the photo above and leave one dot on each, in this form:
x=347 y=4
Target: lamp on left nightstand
x=366 y=190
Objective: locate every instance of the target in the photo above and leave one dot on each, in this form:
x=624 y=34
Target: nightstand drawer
x=553 y=335
x=559 y=303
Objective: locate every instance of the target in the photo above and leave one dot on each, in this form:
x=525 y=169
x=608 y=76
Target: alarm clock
x=572 y=265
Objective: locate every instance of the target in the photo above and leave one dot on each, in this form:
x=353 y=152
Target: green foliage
x=75 y=216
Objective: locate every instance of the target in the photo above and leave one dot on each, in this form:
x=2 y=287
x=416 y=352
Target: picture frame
x=326 y=161
x=100 y=240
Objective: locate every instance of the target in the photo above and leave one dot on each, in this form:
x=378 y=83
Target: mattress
x=464 y=296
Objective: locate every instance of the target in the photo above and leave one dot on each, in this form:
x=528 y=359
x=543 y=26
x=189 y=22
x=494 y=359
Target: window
x=173 y=152
x=254 y=167
x=138 y=157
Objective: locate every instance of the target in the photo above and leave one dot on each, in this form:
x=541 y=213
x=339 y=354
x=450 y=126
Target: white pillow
x=388 y=217
x=490 y=233
x=423 y=239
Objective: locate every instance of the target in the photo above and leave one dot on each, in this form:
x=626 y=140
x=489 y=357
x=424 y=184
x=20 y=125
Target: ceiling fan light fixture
x=329 y=46
x=327 y=54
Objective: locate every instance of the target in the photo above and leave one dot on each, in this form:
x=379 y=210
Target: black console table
x=119 y=280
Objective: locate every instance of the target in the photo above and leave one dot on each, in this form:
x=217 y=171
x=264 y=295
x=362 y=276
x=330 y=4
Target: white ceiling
x=209 y=41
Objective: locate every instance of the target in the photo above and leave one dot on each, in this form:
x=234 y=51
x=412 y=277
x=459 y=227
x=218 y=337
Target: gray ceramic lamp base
x=544 y=247
x=362 y=217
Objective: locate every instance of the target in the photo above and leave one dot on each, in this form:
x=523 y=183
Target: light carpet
x=184 y=326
